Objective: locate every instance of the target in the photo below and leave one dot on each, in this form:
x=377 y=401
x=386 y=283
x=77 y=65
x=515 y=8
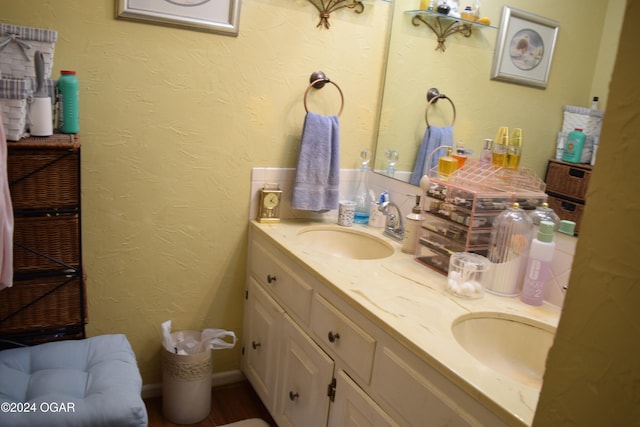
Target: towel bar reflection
x=317 y=80
x=432 y=96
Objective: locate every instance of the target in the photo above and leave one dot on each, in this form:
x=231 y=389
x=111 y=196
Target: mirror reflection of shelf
x=444 y=25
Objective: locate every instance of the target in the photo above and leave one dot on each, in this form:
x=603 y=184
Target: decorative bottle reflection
x=514 y=149
x=499 y=155
x=486 y=154
x=392 y=158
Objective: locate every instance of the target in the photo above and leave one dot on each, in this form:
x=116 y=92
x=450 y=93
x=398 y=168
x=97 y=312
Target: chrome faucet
x=394 y=225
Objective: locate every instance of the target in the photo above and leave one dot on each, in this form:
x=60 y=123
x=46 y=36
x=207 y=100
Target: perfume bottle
x=460 y=154
x=500 y=144
x=514 y=149
x=447 y=165
x=485 y=155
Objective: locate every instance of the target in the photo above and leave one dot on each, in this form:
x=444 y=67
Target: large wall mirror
x=462 y=72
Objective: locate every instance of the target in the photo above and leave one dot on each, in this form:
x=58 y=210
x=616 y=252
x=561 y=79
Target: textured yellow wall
x=593 y=372
x=172 y=121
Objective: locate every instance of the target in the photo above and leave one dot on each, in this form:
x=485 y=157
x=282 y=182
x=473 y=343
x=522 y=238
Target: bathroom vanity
x=365 y=336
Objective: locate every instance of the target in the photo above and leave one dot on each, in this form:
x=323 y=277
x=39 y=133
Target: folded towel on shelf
x=6 y=218
x=318 y=172
x=434 y=137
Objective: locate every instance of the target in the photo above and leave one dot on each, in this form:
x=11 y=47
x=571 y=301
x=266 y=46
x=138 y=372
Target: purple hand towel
x=317 y=181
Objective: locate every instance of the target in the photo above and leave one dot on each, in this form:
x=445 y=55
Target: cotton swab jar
x=467 y=275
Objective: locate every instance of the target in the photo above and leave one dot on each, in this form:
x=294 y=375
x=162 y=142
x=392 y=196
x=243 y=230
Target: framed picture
x=524 y=48
x=217 y=16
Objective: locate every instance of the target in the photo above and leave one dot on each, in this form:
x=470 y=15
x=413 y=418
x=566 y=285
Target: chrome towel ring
x=432 y=96
x=318 y=79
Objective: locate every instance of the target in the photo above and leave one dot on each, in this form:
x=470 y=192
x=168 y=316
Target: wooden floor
x=229 y=404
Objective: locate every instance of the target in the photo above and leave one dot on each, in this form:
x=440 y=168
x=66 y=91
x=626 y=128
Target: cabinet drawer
x=567 y=180
x=342 y=337
x=274 y=274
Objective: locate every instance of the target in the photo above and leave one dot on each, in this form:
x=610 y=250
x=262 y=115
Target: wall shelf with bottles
x=444 y=25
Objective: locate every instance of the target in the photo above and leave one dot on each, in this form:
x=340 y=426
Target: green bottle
x=68 y=97
x=573 y=147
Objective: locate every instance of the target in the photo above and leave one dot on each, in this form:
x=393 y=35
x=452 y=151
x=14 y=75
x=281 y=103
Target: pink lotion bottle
x=539 y=265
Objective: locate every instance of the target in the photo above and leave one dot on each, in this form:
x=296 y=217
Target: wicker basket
x=567 y=180
x=568 y=210
x=14 y=96
x=47 y=302
x=43 y=173
x=46 y=243
x=18 y=45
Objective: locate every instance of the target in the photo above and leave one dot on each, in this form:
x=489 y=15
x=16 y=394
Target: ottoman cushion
x=92 y=382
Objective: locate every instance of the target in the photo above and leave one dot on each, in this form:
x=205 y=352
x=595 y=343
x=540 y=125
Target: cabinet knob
x=293 y=396
x=270 y=278
x=255 y=345
x=333 y=337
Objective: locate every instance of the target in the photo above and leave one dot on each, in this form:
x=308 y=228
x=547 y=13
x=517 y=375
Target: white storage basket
x=18 y=45
x=590 y=121
x=15 y=93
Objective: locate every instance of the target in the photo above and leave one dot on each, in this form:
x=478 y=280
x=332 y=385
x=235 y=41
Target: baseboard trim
x=217 y=379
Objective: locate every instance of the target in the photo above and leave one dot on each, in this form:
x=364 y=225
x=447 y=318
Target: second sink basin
x=344 y=242
x=511 y=345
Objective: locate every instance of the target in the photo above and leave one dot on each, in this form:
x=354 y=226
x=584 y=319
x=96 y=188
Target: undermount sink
x=344 y=242
x=511 y=345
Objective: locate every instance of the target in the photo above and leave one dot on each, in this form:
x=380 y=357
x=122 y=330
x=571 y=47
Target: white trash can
x=186 y=383
x=187 y=370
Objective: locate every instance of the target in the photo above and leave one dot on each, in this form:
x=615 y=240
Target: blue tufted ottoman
x=93 y=382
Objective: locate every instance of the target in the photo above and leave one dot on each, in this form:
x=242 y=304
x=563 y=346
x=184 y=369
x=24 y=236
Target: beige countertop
x=408 y=301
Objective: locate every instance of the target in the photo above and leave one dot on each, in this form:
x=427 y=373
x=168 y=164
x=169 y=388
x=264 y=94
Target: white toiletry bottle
x=539 y=265
x=411 y=228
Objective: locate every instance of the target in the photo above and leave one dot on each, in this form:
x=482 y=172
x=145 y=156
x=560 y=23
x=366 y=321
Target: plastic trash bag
x=188 y=342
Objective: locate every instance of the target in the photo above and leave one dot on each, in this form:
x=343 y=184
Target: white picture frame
x=216 y=16
x=524 y=48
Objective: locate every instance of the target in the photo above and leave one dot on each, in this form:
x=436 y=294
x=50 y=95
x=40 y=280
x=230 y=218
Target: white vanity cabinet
x=316 y=359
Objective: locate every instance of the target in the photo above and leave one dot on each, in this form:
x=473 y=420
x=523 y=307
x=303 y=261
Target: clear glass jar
x=545 y=213
x=510 y=240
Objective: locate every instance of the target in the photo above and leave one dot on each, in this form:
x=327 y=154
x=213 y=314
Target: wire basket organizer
x=463 y=206
x=482 y=176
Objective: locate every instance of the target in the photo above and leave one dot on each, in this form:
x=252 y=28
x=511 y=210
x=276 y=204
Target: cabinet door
x=306 y=374
x=263 y=318
x=354 y=408
x=417 y=395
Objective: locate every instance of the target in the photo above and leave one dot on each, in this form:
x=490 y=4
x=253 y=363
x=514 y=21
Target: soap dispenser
x=539 y=265
x=412 y=226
